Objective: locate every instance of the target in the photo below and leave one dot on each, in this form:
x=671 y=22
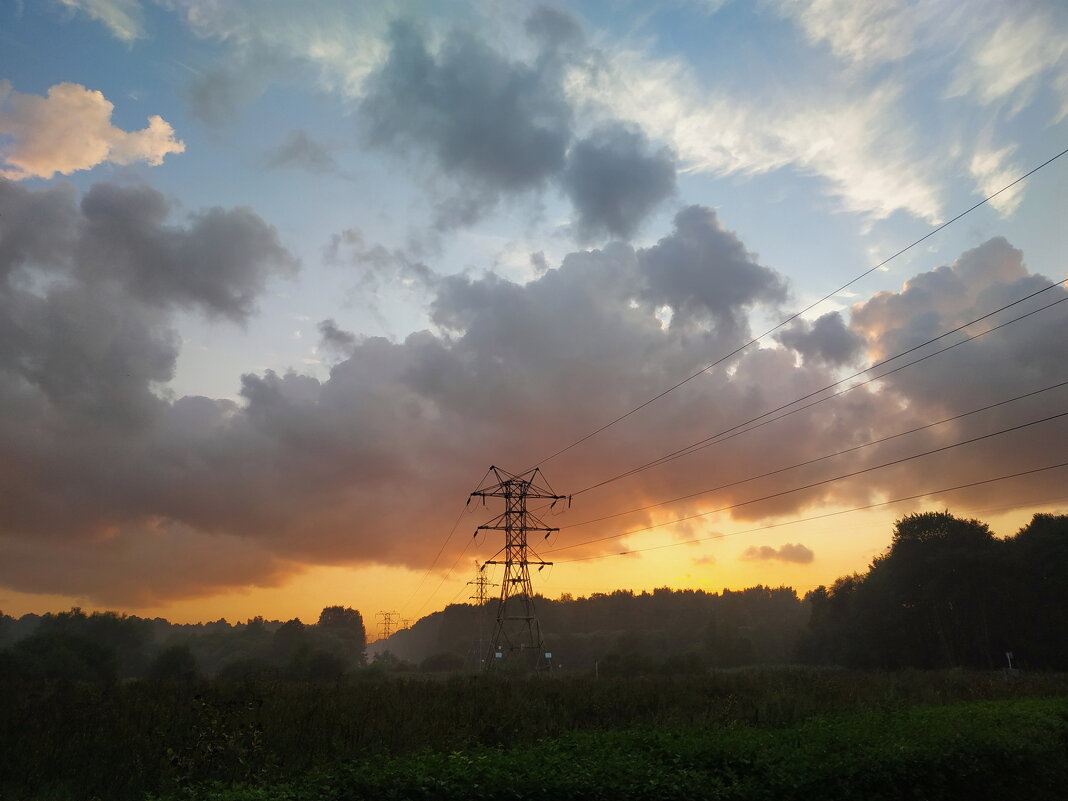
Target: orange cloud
x=69 y=130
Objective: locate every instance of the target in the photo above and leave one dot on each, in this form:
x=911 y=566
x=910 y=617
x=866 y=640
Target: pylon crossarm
x=516 y=562
x=508 y=527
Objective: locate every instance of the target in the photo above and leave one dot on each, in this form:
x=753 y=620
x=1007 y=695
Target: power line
x=814 y=517
x=780 y=494
x=733 y=431
x=444 y=578
x=797 y=314
x=437 y=556
x=818 y=458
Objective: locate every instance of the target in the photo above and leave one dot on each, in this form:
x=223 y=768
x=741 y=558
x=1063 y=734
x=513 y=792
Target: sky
x=280 y=281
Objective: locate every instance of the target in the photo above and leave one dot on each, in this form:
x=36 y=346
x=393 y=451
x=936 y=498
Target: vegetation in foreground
x=110 y=707
x=967 y=751
x=81 y=741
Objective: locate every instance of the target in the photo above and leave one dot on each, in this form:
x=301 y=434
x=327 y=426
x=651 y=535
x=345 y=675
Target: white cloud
x=853 y=140
x=1008 y=62
x=71 y=130
x=869 y=32
x=992 y=169
x=344 y=41
x=122 y=17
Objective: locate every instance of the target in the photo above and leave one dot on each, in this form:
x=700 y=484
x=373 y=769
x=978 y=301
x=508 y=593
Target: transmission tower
x=386 y=622
x=481 y=582
x=517 y=629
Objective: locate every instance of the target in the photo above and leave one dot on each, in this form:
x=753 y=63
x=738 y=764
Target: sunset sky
x=279 y=281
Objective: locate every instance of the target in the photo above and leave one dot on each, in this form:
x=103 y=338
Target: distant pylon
x=386 y=621
x=517 y=628
x=481 y=582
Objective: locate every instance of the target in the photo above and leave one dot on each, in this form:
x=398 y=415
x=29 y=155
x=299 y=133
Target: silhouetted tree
x=1036 y=630
x=345 y=625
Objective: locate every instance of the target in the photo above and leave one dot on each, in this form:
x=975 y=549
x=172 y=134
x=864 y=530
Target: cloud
x=216 y=94
x=337 y=339
x=92 y=340
x=871 y=33
x=852 y=139
x=219 y=262
x=37 y=227
x=1011 y=54
x=357 y=467
x=340 y=42
x=496 y=123
x=790 y=552
x=996 y=54
x=703 y=272
x=993 y=170
x=376 y=265
x=503 y=127
x=302 y=152
x=172 y=555
x=124 y=18
x=828 y=339
x=69 y=130
x=554 y=30
x=1020 y=358
x=614 y=182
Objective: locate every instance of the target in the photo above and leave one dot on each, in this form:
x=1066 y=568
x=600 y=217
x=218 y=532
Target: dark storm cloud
x=219 y=262
x=828 y=340
x=614 y=180
x=37 y=226
x=496 y=123
x=502 y=127
x=300 y=151
x=358 y=467
x=84 y=346
x=790 y=552
x=336 y=339
x=89 y=351
x=702 y=270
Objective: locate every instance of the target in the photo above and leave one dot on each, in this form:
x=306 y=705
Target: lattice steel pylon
x=387 y=620
x=481 y=583
x=517 y=633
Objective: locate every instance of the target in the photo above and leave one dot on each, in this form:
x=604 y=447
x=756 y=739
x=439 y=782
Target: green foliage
x=80 y=741
x=971 y=750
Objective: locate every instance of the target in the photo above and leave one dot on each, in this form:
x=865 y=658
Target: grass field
x=731 y=734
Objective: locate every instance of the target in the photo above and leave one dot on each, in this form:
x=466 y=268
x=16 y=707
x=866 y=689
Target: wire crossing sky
x=278 y=279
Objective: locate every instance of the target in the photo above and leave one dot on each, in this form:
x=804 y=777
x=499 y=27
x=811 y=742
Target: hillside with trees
x=947 y=593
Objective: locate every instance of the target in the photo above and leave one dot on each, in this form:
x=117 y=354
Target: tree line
x=105 y=647
x=946 y=593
